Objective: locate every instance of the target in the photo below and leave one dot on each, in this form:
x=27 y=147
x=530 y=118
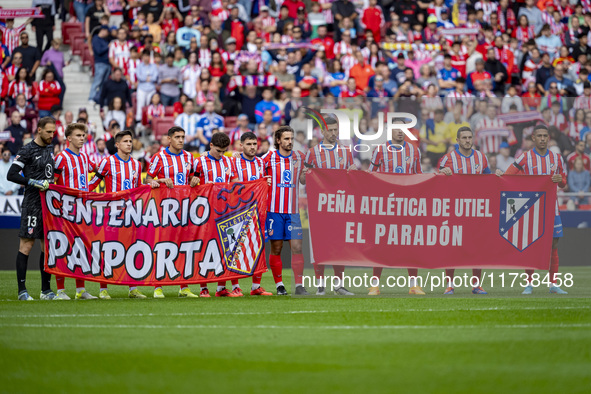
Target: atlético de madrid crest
x=522 y=218
x=242 y=239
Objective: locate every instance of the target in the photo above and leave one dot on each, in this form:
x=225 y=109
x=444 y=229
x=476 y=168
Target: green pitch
x=499 y=343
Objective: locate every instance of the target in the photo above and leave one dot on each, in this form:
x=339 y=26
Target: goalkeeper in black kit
x=35 y=160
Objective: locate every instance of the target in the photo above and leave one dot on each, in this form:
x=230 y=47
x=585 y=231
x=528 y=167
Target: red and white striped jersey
x=15 y=88
x=324 y=157
x=156 y=111
x=221 y=13
x=118 y=174
x=248 y=170
x=208 y=169
x=476 y=163
x=176 y=167
x=327 y=12
x=558 y=120
x=575 y=129
x=10 y=37
x=236 y=134
x=466 y=98
x=487 y=8
x=490 y=134
x=205 y=58
x=342 y=48
x=98 y=156
x=285 y=176
x=119 y=52
x=10 y=71
x=130 y=69
x=72 y=169
x=396 y=159
x=347 y=62
x=582 y=102
x=532 y=163
x=89 y=147
x=458 y=61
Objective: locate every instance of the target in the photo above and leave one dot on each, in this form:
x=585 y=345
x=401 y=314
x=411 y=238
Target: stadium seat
x=230 y=122
x=87 y=58
x=145 y=116
x=169 y=111
x=160 y=126
x=78 y=44
x=68 y=28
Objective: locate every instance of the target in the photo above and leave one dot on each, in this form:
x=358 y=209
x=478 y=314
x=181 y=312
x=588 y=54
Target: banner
x=10 y=211
x=430 y=221
x=21 y=13
x=155 y=237
x=460 y=31
x=520 y=117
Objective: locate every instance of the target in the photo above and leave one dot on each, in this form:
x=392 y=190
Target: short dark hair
x=462 y=129
x=461 y=79
x=331 y=120
x=45 y=121
x=248 y=136
x=540 y=127
x=279 y=132
x=75 y=126
x=122 y=134
x=221 y=140
x=175 y=129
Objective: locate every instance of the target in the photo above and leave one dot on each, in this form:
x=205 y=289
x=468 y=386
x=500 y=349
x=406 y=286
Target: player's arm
x=444 y=166
x=14 y=173
x=156 y=168
x=101 y=172
x=376 y=160
x=560 y=175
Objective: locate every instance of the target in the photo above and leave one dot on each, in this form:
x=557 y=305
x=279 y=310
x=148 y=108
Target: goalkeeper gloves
x=41 y=185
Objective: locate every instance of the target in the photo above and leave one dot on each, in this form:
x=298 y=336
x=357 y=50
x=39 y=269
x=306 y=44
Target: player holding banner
x=329 y=154
x=542 y=161
x=172 y=167
x=71 y=170
x=249 y=167
x=214 y=167
x=397 y=157
x=35 y=160
x=120 y=172
x=464 y=160
x=283 y=217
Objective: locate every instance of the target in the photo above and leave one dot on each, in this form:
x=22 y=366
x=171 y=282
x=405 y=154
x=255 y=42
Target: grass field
x=499 y=343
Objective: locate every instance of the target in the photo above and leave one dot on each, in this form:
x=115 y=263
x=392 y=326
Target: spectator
x=116 y=112
x=154 y=7
x=497 y=70
x=511 y=98
x=10 y=34
x=533 y=14
x=93 y=17
x=235 y=27
x=548 y=42
x=561 y=81
x=81 y=7
x=579 y=153
x=544 y=73
x=186 y=33
x=147 y=75
x=27 y=112
x=54 y=59
x=579 y=181
x=30 y=55
x=115 y=86
x=22 y=84
x=433 y=133
x=155 y=109
x=416 y=64
x=169 y=78
x=17 y=132
x=188 y=121
x=361 y=72
x=119 y=50
x=504 y=159
x=102 y=68
x=43 y=27
x=49 y=93
x=477 y=75
x=207 y=122
x=531 y=98
x=7 y=188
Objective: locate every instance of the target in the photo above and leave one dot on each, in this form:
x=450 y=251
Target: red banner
x=155 y=237
x=21 y=13
x=430 y=221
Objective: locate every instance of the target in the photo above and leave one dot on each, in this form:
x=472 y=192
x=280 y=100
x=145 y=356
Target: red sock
x=276 y=267
x=529 y=275
x=339 y=271
x=234 y=282
x=59 y=282
x=477 y=273
x=377 y=272
x=79 y=283
x=297 y=265
x=449 y=276
x=554 y=265
x=413 y=272
x=318 y=271
x=222 y=283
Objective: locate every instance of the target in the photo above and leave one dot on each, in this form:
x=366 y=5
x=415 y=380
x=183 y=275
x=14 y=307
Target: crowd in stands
x=234 y=66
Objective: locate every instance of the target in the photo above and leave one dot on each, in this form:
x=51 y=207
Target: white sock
x=132 y=288
x=412 y=281
x=220 y=288
x=80 y=289
x=234 y=287
x=278 y=284
x=255 y=286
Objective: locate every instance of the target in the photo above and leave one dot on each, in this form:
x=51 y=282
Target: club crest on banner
x=522 y=218
x=242 y=240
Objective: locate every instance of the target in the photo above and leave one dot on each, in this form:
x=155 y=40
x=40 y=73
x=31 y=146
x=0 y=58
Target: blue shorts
x=283 y=226
x=557 y=227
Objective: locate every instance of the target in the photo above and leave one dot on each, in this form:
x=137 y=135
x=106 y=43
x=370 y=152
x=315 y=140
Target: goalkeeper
x=35 y=160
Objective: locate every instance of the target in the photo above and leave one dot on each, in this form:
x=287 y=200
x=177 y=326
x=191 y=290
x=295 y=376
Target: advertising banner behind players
x=155 y=237
x=430 y=221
